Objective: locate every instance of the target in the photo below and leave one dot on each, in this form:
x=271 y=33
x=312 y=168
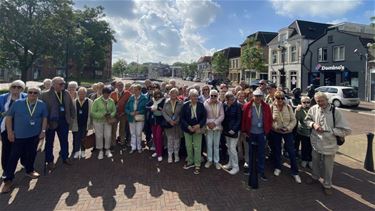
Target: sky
x=168 y=31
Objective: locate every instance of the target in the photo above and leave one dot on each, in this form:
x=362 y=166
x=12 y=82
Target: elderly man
x=61 y=113
x=263 y=86
x=325 y=126
x=26 y=124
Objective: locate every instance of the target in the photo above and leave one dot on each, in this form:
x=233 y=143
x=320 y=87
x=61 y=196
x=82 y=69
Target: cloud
x=313 y=8
x=340 y=20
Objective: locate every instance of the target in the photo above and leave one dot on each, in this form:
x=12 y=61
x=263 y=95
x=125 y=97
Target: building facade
x=262 y=39
x=286 y=52
x=204 y=68
x=342 y=57
x=229 y=53
x=235 y=73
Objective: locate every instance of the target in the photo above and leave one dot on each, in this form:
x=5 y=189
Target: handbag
x=340 y=140
x=110 y=120
x=89 y=141
x=139 y=118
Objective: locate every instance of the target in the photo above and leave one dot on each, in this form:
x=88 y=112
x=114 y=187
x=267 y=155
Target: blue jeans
x=62 y=132
x=22 y=148
x=77 y=139
x=260 y=141
x=288 y=145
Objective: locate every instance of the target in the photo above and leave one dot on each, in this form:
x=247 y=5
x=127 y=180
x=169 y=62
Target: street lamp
x=282 y=70
x=367 y=72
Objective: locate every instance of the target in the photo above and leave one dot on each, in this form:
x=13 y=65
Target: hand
x=11 y=136
x=299 y=107
x=246 y=135
x=132 y=113
x=191 y=129
x=317 y=127
x=231 y=132
x=42 y=135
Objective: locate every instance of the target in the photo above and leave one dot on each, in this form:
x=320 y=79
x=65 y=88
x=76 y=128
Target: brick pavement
x=139 y=182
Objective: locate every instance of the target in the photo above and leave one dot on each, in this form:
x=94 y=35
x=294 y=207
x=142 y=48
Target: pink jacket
x=211 y=116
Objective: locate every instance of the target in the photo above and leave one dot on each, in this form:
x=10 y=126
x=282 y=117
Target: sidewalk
x=367 y=106
x=355 y=147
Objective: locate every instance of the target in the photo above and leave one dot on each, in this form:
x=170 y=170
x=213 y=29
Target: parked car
x=189 y=78
x=196 y=79
x=340 y=95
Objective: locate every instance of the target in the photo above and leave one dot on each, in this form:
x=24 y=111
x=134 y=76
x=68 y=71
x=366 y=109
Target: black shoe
x=246 y=171
x=67 y=162
x=263 y=177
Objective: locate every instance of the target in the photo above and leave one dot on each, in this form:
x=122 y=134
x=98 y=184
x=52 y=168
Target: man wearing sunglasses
x=26 y=124
x=6 y=101
x=263 y=87
x=61 y=113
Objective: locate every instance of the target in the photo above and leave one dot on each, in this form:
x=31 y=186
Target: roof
x=261 y=36
x=204 y=59
x=311 y=30
x=231 y=52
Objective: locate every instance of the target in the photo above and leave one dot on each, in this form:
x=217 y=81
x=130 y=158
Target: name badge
x=173 y=117
x=80 y=112
x=259 y=124
x=32 y=122
x=62 y=109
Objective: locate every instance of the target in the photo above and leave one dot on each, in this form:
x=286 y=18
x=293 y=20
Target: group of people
x=208 y=120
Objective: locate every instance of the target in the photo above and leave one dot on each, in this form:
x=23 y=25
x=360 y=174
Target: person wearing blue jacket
x=135 y=110
x=16 y=89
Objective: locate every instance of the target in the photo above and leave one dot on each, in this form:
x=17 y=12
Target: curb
x=371 y=113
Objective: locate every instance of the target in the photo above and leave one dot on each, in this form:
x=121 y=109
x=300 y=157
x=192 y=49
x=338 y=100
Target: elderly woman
x=135 y=109
x=303 y=132
x=98 y=90
x=249 y=94
x=82 y=123
x=72 y=89
x=47 y=83
x=155 y=106
x=326 y=123
x=6 y=101
x=231 y=128
x=215 y=115
x=171 y=114
x=193 y=119
x=205 y=94
x=283 y=123
x=103 y=109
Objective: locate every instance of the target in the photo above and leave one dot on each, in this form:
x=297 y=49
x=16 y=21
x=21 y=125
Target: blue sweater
x=141 y=106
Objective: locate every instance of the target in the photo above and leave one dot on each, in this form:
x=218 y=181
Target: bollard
x=253 y=177
x=369 y=161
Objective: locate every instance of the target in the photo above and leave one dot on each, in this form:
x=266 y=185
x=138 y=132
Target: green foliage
x=220 y=64
x=188 y=69
x=252 y=57
x=119 y=68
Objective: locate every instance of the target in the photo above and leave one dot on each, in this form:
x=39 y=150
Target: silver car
x=340 y=95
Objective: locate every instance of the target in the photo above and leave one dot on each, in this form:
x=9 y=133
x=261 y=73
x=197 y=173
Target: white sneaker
x=76 y=155
x=154 y=155
x=277 y=172
x=108 y=153
x=83 y=154
x=304 y=164
x=227 y=166
x=234 y=171
x=170 y=159
x=297 y=178
x=218 y=166
x=131 y=151
x=176 y=158
x=208 y=164
x=160 y=158
x=245 y=165
x=100 y=156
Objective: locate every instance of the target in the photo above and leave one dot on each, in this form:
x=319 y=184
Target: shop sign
x=332 y=67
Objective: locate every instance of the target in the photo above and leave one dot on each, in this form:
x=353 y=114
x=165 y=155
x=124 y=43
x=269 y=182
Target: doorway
x=329 y=78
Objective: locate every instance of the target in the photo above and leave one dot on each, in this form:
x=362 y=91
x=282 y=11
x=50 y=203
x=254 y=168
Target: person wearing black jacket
x=193 y=120
x=231 y=128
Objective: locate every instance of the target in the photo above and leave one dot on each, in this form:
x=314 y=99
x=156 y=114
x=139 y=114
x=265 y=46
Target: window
x=284 y=55
x=274 y=77
x=293 y=54
x=283 y=37
x=274 y=57
x=339 y=53
x=322 y=55
x=332 y=90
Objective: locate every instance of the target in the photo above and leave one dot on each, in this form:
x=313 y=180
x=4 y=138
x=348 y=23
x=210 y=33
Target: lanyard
x=119 y=95
x=304 y=111
x=81 y=103
x=31 y=112
x=258 y=110
x=60 y=98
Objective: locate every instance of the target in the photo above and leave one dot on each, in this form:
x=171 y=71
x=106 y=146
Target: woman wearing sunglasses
x=283 y=123
x=303 y=132
x=6 y=100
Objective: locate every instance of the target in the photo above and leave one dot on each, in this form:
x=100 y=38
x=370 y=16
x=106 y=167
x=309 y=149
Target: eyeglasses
x=280 y=98
x=213 y=95
x=32 y=93
x=62 y=84
x=16 y=87
x=258 y=95
x=306 y=102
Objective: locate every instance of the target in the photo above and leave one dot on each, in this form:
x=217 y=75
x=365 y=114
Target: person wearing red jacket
x=256 y=124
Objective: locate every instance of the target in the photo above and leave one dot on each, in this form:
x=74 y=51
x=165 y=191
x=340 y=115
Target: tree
x=220 y=64
x=252 y=56
x=119 y=68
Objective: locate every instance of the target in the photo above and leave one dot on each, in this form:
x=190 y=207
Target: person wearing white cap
x=256 y=124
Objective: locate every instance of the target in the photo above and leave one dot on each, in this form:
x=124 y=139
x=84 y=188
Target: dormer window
x=283 y=37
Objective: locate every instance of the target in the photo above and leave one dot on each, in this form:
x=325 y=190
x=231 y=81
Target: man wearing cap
x=26 y=124
x=61 y=113
x=256 y=124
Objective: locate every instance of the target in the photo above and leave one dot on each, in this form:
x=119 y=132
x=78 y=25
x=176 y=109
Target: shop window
x=322 y=55
x=338 y=53
x=293 y=54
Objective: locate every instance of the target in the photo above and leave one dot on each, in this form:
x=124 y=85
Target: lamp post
x=367 y=72
x=282 y=70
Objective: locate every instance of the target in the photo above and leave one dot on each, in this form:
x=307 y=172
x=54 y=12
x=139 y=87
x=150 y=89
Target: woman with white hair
x=193 y=119
x=72 y=89
x=47 y=83
x=303 y=132
x=215 y=115
x=16 y=89
x=82 y=123
x=326 y=124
